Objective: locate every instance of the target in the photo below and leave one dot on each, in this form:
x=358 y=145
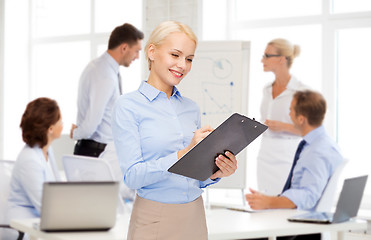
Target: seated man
x=315 y=161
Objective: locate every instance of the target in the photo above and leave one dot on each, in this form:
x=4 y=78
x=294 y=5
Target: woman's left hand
x=227 y=165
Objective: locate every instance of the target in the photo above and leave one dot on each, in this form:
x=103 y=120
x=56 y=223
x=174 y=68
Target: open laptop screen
x=346 y=208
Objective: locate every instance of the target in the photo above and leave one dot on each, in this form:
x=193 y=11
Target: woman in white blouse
x=279 y=142
x=41 y=124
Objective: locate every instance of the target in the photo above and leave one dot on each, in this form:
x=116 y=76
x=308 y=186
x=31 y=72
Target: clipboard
x=233 y=135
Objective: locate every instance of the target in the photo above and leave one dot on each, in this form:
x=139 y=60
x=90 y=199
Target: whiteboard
x=218 y=82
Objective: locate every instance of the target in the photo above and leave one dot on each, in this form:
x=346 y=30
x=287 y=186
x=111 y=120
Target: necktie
x=297 y=154
x=119 y=78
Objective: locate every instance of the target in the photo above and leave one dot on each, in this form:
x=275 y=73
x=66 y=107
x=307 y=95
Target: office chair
x=85 y=169
x=6 y=168
x=61 y=146
x=109 y=154
x=326 y=202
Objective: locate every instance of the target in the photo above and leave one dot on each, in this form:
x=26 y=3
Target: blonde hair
x=163 y=30
x=285 y=48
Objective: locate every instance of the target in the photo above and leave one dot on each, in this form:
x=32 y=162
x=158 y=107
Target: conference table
x=222 y=224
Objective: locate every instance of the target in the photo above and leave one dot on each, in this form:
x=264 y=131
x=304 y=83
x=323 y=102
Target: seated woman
x=41 y=124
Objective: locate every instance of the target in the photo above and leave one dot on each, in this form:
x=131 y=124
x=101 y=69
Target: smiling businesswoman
x=152 y=128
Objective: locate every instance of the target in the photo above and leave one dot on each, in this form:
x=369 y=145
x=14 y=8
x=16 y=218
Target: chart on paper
x=218 y=83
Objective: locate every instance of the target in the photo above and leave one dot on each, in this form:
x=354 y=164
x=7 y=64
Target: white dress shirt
x=277 y=149
x=98 y=91
x=316 y=164
x=278 y=108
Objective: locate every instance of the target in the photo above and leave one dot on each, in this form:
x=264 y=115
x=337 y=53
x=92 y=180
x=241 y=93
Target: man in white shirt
x=99 y=87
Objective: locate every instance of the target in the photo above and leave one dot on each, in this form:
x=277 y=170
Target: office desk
x=226 y=224
x=119 y=232
x=222 y=224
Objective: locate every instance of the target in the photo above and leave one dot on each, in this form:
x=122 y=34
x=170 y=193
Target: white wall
x=155 y=12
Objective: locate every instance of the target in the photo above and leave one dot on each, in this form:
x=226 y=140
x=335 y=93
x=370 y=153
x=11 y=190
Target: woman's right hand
x=199 y=134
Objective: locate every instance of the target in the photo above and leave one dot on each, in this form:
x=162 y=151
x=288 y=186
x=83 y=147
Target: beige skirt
x=161 y=221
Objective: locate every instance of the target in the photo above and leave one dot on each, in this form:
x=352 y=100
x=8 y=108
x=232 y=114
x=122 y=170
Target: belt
x=91 y=144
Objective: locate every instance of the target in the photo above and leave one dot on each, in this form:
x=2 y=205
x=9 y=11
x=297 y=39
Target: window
x=16 y=72
x=48 y=44
x=310 y=55
x=53 y=18
x=353 y=112
x=59 y=78
x=346 y=6
x=214 y=20
x=333 y=60
x=273 y=9
x=111 y=13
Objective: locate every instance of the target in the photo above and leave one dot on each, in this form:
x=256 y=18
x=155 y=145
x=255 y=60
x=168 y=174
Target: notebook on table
x=346 y=208
x=246 y=208
x=78 y=206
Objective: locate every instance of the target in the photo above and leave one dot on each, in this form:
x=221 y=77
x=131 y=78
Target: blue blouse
x=30 y=171
x=148 y=130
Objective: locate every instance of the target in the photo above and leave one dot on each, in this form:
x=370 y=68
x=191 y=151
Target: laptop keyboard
x=318 y=215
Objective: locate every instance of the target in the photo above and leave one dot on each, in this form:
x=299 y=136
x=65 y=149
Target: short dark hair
x=39 y=115
x=311 y=105
x=125 y=33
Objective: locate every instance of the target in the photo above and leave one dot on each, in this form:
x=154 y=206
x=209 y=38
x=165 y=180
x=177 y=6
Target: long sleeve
x=148 y=130
x=317 y=162
x=98 y=91
x=29 y=174
x=138 y=173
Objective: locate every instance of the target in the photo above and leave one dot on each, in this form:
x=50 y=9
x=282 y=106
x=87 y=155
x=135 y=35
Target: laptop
x=346 y=208
x=86 y=169
x=78 y=206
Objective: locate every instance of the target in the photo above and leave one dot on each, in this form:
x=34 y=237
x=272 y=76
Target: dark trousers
x=316 y=236
x=87 y=147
